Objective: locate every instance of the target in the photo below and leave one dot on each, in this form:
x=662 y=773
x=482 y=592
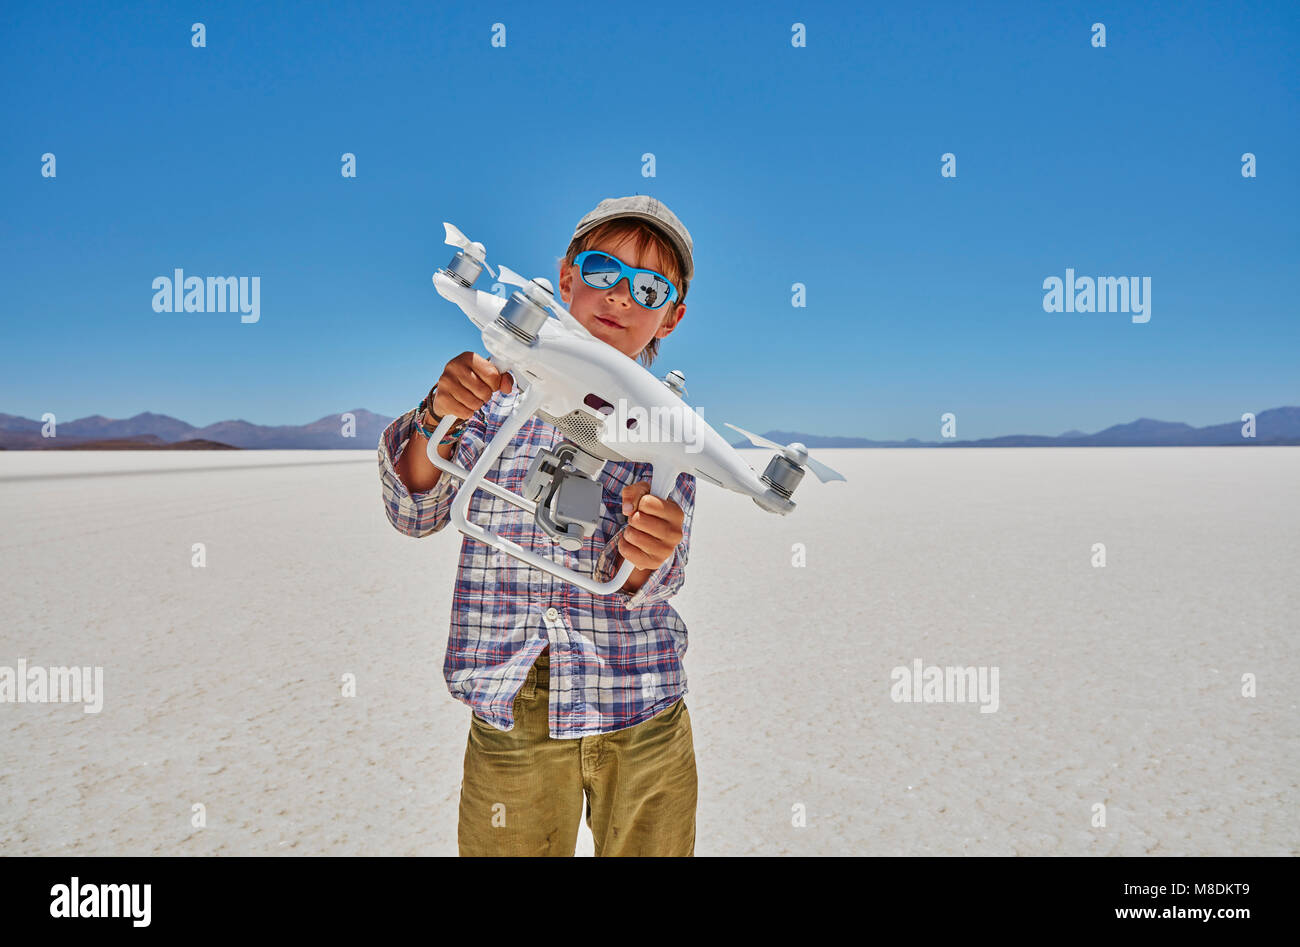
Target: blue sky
x=818 y=165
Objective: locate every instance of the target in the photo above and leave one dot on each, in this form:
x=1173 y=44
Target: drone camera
x=568 y=500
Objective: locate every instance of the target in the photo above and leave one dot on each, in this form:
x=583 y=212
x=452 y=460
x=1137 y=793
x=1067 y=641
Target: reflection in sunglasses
x=603 y=270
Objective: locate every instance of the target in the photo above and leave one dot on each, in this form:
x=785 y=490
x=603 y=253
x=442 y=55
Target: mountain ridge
x=1274 y=426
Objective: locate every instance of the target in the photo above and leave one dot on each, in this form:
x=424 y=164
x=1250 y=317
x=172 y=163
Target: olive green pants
x=522 y=793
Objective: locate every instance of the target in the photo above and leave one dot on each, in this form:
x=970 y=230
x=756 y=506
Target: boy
x=571 y=693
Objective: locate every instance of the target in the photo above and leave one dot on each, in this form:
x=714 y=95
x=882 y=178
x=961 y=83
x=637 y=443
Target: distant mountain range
x=158 y=431
x=1274 y=426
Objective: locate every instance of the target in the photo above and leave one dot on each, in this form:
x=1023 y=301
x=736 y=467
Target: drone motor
x=522 y=317
x=463 y=269
x=782 y=475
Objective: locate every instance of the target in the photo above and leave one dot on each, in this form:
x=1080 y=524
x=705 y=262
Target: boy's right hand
x=468 y=382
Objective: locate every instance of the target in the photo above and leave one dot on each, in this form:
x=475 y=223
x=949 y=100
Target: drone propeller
x=794 y=452
x=475 y=250
x=544 y=286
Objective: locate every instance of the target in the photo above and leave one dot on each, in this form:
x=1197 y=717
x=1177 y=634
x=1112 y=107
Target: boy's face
x=612 y=315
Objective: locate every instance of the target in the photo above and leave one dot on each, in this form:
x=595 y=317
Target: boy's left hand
x=654 y=527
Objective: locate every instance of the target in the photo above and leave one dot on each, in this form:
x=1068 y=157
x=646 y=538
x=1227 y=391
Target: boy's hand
x=468 y=382
x=654 y=527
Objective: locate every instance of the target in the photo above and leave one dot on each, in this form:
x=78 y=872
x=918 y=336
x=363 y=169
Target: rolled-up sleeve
x=667 y=580
x=419 y=514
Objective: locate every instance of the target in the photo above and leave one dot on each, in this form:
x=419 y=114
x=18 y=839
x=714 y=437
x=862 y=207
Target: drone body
x=608 y=407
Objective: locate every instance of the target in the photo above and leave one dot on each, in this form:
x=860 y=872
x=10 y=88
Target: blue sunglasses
x=603 y=270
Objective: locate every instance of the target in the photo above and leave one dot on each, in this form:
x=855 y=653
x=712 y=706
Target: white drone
x=573 y=380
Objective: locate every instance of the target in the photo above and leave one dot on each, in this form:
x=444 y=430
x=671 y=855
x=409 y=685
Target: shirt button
x=552 y=613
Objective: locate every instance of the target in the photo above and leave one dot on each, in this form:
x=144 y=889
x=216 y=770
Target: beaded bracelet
x=452 y=435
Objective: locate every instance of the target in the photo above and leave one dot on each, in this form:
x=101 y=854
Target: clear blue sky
x=817 y=165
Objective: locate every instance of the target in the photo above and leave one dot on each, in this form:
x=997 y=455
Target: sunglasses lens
x=600 y=271
x=603 y=271
x=650 y=291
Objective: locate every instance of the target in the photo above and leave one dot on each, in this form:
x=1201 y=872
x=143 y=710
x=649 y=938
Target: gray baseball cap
x=649 y=209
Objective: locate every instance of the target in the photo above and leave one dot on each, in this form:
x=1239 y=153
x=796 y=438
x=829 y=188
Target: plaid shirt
x=615 y=660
